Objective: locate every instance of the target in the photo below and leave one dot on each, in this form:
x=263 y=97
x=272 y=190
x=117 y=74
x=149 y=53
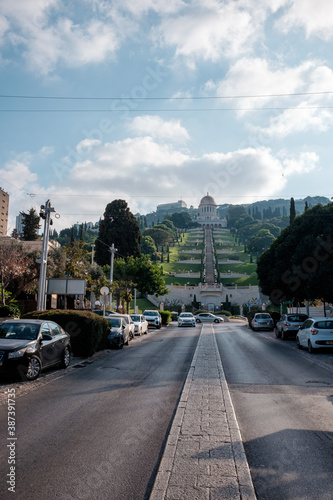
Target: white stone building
x=207 y=216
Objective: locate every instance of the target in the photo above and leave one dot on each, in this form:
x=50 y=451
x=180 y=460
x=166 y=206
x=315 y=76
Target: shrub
x=166 y=317
x=88 y=332
x=9 y=311
x=226 y=313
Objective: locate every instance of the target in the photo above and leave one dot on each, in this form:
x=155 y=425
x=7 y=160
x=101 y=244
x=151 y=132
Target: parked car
x=140 y=324
x=262 y=321
x=28 y=346
x=119 y=331
x=208 y=317
x=186 y=319
x=289 y=324
x=100 y=312
x=315 y=333
x=130 y=323
x=153 y=317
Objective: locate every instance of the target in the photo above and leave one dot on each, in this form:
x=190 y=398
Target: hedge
x=166 y=317
x=9 y=311
x=88 y=331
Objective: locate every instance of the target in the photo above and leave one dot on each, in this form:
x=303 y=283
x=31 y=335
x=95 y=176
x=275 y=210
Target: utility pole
x=112 y=249
x=92 y=253
x=45 y=213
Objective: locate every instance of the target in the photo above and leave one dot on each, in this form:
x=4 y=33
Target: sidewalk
x=204 y=457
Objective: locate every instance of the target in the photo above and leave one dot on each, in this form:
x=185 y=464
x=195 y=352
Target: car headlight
x=17 y=354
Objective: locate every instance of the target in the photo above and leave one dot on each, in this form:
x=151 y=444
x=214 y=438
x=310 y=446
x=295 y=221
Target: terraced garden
x=184 y=266
x=233 y=263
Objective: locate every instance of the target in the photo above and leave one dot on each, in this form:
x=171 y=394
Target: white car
x=208 y=317
x=315 y=333
x=153 y=317
x=128 y=321
x=186 y=319
x=140 y=324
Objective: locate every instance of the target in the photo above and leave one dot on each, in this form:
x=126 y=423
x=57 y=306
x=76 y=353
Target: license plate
x=329 y=342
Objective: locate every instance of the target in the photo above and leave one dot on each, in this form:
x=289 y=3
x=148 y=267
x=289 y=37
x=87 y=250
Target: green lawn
x=142 y=304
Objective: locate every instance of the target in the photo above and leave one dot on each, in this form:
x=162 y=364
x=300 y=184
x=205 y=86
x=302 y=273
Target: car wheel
x=33 y=369
x=283 y=335
x=216 y=321
x=159 y=326
x=126 y=343
x=298 y=344
x=277 y=333
x=121 y=343
x=310 y=348
x=66 y=358
x=198 y=320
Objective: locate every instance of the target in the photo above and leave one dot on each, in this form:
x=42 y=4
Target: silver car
x=289 y=324
x=208 y=318
x=262 y=321
x=186 y=319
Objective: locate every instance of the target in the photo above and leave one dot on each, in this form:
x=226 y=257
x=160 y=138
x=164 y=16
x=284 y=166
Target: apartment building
x=4 y=204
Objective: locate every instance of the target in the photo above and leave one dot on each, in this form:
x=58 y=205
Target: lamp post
x=112 y=249
x=45 y=213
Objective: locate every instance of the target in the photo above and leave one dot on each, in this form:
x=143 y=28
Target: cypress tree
x=292 y=213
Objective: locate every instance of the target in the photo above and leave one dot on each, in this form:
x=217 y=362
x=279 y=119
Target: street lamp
x=45 y=213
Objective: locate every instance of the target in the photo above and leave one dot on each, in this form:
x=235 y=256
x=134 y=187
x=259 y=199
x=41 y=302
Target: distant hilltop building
x=207 y=216
x=4 y=204
x=172 y=208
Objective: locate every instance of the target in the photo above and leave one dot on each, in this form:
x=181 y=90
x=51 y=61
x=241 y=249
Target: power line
x=160 y=110
x=160 y=98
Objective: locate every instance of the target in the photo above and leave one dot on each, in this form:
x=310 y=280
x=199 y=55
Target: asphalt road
x=97 y=431
x=283 y=400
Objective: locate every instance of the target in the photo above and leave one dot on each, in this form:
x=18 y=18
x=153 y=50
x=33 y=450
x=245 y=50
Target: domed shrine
x=207 y=216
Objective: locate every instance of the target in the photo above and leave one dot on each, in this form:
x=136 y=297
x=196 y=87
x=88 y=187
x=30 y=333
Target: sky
x=158 y=101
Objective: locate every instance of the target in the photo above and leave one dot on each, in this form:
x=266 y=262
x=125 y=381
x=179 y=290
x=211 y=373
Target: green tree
x=77 y=260
x=298 y=262
x=234 y=213
x=292 y=212
x=160 y=236
x=148 y=247
x=145 y=275
x=261 y=241
x=120 y=227
x=30 y=225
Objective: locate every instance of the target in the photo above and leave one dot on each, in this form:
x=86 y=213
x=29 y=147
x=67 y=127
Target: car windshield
x=24 y=331
x=135 y=318
x=115 y=322
x=298 y=317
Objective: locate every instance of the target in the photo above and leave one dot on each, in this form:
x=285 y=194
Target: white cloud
x=45 y=151
x=70 y=44
x=255 y=76
x=259 y=77
x=304 y=164
x=208 y=30
x=157 y=128
x=315 y=16
x=146 y=173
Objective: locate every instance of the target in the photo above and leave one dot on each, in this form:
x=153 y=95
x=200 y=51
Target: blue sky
x=157 y=101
